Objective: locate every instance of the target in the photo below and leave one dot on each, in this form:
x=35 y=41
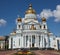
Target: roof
x=2 y=38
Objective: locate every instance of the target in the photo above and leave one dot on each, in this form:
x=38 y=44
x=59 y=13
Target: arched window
x=44 y=26
x=19 y=26
x=40 y=26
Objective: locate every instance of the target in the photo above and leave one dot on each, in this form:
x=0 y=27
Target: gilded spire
x=30 y=10
x=30 y=6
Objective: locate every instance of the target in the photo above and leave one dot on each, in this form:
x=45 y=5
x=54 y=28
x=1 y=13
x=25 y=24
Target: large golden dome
x=30 y=10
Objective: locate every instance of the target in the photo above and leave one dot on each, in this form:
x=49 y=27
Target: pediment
x=32 y=22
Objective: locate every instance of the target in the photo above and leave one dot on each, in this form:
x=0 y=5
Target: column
x=35 y=40
x=39 y=40
x=47 y=40
x=31 y=40
x=28 y=42
x=22 y=42
x=41 y=44
x=25 y=41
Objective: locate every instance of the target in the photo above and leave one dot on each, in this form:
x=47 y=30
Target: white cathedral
x=30 y=33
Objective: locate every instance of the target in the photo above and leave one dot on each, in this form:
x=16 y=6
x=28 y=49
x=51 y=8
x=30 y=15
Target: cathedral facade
x=31 y=33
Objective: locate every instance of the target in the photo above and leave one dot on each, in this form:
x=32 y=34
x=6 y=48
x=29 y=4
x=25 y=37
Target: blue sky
x=9 y=9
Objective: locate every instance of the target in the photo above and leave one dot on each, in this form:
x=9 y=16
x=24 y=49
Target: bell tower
x=44 y=25
x=19 y=24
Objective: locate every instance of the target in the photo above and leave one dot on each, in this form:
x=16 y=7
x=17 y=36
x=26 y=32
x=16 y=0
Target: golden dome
x=44 y=19
x=30 y=10
x=32 y=27
x=19 y=19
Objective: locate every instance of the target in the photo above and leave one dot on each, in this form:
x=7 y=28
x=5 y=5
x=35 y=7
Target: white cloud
x=56 y=13
x=48 y=13
x=2 y=22
x=45 y=13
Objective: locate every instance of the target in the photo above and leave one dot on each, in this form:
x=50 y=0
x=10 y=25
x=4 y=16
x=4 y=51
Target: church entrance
x=33 y=41
x=32 y=44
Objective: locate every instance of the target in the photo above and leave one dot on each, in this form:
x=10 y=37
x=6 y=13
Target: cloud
x=2 y=22
x=56 y=13
x=47 y=13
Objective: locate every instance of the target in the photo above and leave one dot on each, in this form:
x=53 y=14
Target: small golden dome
x=13 y=33
x=19 y=19
x=44 y=19
x=30 y=10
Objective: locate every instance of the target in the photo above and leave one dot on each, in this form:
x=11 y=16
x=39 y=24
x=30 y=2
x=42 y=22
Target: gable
x=32 y=22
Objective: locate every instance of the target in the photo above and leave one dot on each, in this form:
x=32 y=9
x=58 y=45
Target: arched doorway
x=33 y=40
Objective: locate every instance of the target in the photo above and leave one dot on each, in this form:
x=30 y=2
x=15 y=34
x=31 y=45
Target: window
x=44 y=26
x=40 y=26
x=19 y=26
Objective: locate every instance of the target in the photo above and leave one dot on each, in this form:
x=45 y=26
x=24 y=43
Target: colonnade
x=35 y=41
x=31 y=41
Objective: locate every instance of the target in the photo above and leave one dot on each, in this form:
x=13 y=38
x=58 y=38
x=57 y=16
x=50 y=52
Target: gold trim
x=32 y=27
